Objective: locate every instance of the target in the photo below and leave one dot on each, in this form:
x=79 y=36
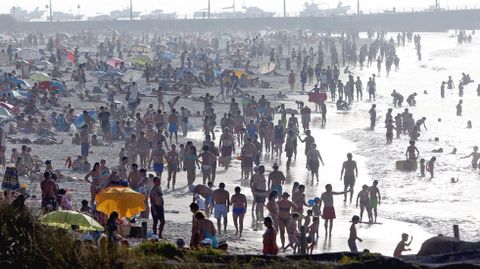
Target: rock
x=442 y=245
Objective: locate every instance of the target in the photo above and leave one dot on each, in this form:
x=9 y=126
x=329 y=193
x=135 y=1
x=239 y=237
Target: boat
x=313 y=10
x=64 y=16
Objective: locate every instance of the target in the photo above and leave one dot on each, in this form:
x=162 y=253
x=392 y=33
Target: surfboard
x=405 y=165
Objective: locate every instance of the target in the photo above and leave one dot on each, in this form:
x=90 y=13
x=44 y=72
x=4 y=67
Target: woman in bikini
x=285 y=207
x=95 y=183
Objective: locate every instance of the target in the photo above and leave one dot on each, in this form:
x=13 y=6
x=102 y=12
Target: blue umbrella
x=97 y=74
x=80 y=120
x=166 y=55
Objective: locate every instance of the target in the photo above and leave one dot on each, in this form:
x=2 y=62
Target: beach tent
x=66 y=218
x=43 y=65
x=11 y=108
x=5 y=114
x=123 y=200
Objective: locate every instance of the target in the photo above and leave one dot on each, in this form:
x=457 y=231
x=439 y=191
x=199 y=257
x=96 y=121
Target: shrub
x=161 y=248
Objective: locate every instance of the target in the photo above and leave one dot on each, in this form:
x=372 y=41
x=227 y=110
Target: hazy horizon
x=187 y=7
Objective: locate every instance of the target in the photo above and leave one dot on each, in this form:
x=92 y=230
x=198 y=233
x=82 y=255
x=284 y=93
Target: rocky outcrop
x=444 y=245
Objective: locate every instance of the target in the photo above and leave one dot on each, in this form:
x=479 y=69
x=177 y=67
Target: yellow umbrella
x=140 y=59
x=125 y=201
x=141 y=48
x=66 y=218
x=39 y=76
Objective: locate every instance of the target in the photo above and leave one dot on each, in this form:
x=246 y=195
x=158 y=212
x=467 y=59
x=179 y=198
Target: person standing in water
x=373 y=117
x=475 y=157
x=328 y=210
x=239 y=208
x=430 y=166
x=375 y=199
x=351 y=173
x=412 y=152
x=353 y=235
x=459 y=108
x=313 y=161
x=221 y=203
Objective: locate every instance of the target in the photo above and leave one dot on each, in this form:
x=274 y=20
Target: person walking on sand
x=221 y=203
x=173 y=125
x=239 y=208
x=328 y=210
x=402 y=245
x=173 y=161
x=269 y=238
x=259 y=189
x=351 y=173
x=158 y=212
x=375 y=199
x=157 y=156
x=352 y=244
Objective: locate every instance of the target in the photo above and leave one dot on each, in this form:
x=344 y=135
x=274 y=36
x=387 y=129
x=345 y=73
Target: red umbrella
x=70 y=56
x=114 y=62
x=47 y=85
x=9 y=107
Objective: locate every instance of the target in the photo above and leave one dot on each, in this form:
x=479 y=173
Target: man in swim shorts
x=221 y=203
x=351 y=172
x=239 y=208
x=157 y=156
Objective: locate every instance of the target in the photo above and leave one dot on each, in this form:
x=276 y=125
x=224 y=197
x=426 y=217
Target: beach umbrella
x=9 y=107
x=18 y=81
x=166 y=55
x=66 y=218
x=123 y=200
x=70 y=56
x=141 y=48
x=28 y=54
x=209 y=50
x=22 y=62
x=114 y=62
x=140 y=60
x=80 y=120
x=51 y=85
x=5 y=114
x=39 y=76
x=97 y=74
x=43 y=65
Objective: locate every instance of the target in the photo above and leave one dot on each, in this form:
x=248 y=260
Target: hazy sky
x=92 y=7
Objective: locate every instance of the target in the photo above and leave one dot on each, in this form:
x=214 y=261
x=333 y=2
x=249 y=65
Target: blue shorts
x=84 y=149
x=158 y=167
x=349 y=181
x=220 y=211
x=172 y=128
x=278 y=189
x=239 y=211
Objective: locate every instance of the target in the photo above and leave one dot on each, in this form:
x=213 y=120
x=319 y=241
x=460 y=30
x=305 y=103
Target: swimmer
x=475 y=157
x=430 y=166
x=453 y=180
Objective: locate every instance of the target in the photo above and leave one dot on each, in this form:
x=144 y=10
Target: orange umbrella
x=123 y=200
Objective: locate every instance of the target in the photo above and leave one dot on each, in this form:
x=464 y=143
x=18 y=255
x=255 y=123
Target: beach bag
x=10 y=179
